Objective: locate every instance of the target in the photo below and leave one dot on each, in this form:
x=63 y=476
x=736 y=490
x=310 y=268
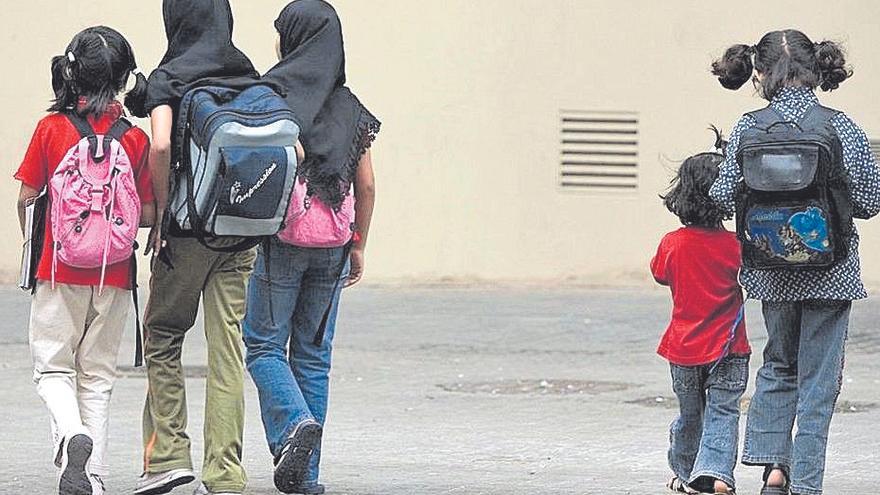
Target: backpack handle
x=783 y=122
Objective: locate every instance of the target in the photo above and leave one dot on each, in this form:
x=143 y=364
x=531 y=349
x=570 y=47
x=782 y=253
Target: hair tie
x=71 y=57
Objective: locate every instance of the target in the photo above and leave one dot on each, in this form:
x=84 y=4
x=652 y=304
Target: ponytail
x=63 y=82
x=734 y=68
x=832 y=65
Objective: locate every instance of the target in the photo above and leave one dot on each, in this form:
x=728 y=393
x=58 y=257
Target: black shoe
x=292 y=464
x=309 y=489
x=75 y=459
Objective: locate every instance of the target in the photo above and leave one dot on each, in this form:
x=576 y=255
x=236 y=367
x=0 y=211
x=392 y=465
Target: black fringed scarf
x=336 y=128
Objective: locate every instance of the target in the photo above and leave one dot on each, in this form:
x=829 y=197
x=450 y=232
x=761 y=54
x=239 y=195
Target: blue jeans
x=703 y=439
x=800 y=379
x=291 y=372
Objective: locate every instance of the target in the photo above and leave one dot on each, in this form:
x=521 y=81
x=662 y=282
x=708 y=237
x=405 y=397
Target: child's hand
x=155 y=242
x=357 y=267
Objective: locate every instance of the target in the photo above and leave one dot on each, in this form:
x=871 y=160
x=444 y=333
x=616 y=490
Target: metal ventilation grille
x=600 y=150
x=875 y=148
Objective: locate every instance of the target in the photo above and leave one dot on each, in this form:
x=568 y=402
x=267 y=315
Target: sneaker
x=292 y=464
x=203 y=490
x=97 y=485
x=75 y=479
x=159 y=483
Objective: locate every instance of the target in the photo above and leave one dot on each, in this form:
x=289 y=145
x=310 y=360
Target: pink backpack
x=95 y=208
x=312 y=224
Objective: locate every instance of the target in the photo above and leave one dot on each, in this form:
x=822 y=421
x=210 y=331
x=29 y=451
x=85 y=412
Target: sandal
x=676 y=485
x=776 y=490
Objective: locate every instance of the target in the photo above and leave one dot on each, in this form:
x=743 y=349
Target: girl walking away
x=200 y=53
x=83 y=292
x=706 y=343
x=295 y=289
x=797 y=173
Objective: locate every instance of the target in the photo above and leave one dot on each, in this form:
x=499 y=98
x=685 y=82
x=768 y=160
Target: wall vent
x=599 y=150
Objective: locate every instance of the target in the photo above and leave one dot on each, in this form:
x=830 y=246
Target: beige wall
x=470 y=93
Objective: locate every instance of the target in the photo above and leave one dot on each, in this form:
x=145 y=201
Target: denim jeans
x=291 y=372
x=703 y=439
x=800 y=380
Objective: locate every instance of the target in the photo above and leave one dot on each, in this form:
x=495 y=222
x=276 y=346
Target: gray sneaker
x=203 y=490
x=164 y=482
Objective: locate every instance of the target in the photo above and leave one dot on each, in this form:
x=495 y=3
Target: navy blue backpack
x=793 y=208
x=236 y=165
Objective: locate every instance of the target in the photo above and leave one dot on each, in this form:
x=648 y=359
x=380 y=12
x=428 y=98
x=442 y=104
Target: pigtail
x=832 y=65
x=64 y=69
x=735 y=67
x=720 y=145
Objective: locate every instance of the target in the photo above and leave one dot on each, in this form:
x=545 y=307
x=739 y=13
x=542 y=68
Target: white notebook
x=34 y=227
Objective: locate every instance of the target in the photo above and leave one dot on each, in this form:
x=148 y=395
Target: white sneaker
x=203 y=490
x=75 y=455
x=97 y=485
x=159 y=483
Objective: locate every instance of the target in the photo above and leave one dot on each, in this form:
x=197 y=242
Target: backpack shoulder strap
x=119 y=128
x=86 y=131
x=81 y=124
x=818 y=116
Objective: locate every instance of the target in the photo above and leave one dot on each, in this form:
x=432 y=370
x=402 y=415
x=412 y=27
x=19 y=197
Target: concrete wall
x=470 y=94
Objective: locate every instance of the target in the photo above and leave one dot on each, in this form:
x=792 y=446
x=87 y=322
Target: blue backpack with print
x=793 y=208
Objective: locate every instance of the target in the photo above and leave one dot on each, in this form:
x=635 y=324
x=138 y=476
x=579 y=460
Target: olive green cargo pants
x=220 y=280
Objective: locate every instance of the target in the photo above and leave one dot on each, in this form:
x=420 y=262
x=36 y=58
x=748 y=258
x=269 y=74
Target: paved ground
x=466 y=391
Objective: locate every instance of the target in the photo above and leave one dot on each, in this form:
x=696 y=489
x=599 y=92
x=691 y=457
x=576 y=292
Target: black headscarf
x=200 y=52
x=336 y=128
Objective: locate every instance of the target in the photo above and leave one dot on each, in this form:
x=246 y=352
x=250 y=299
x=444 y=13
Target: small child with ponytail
x=806 y=310
x=78 y=314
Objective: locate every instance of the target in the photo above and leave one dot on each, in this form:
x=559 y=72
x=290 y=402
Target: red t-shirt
x=700 y=266
x=54 y=137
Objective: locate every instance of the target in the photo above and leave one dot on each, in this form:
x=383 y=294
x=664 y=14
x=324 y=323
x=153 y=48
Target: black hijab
x=200 y=52
x=336 y=128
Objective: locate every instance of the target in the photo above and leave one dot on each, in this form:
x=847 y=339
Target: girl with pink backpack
x=92 y=164
x=295 y=288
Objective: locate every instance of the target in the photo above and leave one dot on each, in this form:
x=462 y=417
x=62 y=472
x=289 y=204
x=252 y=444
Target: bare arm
x=365 y=198
x=25 y=195
x=148 y=214
x=161 y=121
x=300 y=153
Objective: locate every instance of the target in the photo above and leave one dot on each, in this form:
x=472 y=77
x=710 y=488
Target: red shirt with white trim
x=53 y=138
x=701 y=267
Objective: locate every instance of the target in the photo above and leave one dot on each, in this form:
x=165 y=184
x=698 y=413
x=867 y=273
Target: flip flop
x=676 y=485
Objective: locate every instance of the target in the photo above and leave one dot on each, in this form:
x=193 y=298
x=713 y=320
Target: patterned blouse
x=842 y=281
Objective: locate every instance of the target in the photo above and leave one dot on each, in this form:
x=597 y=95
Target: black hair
x=96 y=66
x=783 y=58
x=688 y=196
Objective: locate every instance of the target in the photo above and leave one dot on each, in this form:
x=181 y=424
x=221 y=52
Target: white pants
x=74 y=338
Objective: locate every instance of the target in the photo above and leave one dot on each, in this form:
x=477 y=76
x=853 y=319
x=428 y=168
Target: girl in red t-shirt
x=76 y=326
x=705 y=343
